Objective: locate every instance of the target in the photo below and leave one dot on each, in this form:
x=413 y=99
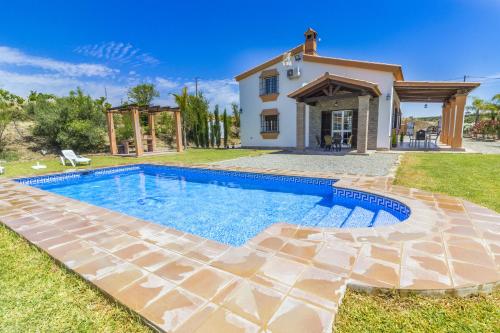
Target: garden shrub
x=72 y=122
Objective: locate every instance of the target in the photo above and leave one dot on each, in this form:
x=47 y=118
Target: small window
x=269 y=85
x=269 y=124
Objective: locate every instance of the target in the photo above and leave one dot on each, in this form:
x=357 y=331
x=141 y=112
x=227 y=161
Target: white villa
x=295 y=99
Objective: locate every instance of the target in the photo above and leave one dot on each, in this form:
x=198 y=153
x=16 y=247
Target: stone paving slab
x=288 y=278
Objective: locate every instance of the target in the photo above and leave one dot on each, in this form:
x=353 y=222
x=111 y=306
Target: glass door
x=342 y=125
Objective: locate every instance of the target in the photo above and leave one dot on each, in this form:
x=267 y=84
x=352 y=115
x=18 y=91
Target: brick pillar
x=301 y=126
x=451 y=122
x=111 y=133
x=459 y=121
x=363 y=116
x=137 y=132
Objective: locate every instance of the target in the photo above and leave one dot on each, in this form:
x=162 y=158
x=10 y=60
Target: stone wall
x=342 y=104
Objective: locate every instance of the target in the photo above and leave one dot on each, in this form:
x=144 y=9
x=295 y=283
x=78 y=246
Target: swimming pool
x=226 y=206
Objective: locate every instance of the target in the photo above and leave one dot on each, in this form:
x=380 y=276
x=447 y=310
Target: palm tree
x=182 y=101
x=495 y=105
x=478 y=105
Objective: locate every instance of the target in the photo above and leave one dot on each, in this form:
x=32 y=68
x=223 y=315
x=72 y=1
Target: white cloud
x=23 y=84
x=218 y=91
x=163 y=83
x=11 y=56
x=59 y=77
x=123 y=53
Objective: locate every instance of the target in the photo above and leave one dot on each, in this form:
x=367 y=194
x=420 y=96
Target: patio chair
x=433 y=137
x=328 y=142
x=421 y=135
x=337 y=142
x=2 y=170
x=73 y=158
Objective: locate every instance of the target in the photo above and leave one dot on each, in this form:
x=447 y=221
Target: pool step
x=384 y=218
x=334 y=218
x=314 y=215
x=359 y=217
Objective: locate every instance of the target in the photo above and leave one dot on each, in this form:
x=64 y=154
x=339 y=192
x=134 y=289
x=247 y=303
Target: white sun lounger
x=73 y=158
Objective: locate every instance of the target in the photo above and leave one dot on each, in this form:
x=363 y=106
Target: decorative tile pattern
x=286 y=279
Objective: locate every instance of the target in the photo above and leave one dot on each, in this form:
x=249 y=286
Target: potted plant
x=401 y=137
x=394 y=139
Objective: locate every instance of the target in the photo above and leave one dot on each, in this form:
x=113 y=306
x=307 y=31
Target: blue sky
x=54 y=46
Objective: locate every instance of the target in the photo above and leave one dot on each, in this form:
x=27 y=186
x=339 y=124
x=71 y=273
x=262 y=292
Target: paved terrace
x=287 y=279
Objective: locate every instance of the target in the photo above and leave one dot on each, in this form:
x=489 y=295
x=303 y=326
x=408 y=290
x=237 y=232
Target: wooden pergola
x=134 y=111
x=452 y=95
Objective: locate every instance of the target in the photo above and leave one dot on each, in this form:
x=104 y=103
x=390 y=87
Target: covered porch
x=339 y=107
x=134 y=110
x=452 y=96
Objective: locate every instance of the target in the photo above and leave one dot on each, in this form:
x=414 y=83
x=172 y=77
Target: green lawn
x=23 y=168
x=36 y=295
x=474 y=177
x=392 y=313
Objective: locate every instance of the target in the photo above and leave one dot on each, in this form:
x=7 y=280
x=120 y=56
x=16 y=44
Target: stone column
x=363 y=116
x=111 y=133
x=139 y=150
x=178 y=131
x=459 y=121
x=152 y=134
x=451 y=122
x=301 y=126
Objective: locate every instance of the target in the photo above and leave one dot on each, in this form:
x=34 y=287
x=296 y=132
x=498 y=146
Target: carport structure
x=134 y=110
x=452 y=95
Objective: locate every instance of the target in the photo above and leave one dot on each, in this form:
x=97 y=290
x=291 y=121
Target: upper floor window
x=269 y=81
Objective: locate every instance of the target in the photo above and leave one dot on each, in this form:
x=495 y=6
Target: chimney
x=310 y=43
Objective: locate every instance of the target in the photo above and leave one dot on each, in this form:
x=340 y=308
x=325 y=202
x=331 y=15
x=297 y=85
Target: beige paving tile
x=144 y=291
x=322 y=283
x=240 y=261
x=282 y=270
x=121 y=276
x=173 y=309
x=207 y=282
x=153 y=260
x=224 y=321
x=135 y=251
x=294 y=316
x=178 y=270
x=301 y=249
x=197 y=319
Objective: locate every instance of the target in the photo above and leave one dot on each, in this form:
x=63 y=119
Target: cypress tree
x=212 y=134
x=217 y=126
x=226 y=123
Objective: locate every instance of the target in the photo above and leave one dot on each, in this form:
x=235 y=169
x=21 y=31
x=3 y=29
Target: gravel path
x=483 y=147
x=377 y=164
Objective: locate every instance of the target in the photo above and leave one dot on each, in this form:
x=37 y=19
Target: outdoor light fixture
x=241 y=110
x=336 y=104
x=425 y=106
x=388 y=97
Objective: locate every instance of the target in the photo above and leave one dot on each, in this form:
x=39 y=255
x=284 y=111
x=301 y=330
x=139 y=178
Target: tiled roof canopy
x=334 y=86
x=424 y=91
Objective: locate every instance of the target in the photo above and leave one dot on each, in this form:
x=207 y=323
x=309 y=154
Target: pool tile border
x=295 y=274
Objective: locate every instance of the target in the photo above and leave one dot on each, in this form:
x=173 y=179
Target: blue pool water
x=228 y=207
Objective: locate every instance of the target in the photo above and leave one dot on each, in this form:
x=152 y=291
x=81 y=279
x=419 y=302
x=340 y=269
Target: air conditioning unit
x=293 y=73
